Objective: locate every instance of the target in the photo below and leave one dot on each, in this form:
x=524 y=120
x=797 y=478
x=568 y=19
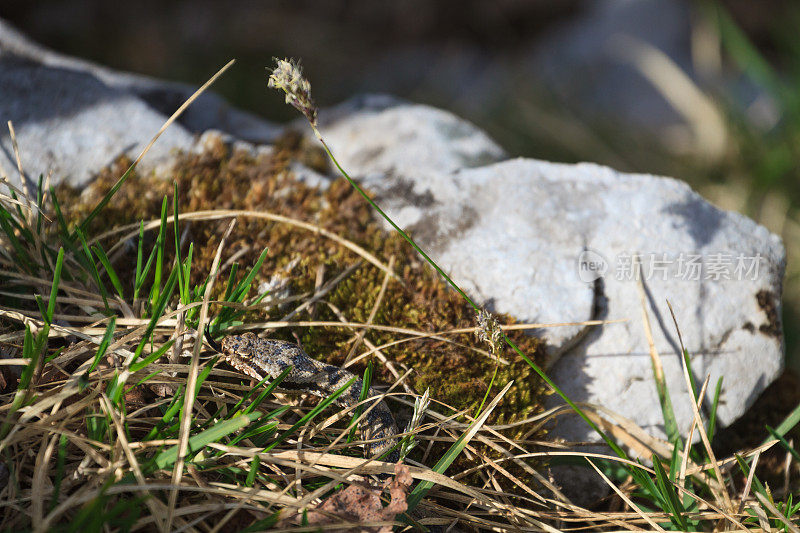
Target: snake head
x=244 y=345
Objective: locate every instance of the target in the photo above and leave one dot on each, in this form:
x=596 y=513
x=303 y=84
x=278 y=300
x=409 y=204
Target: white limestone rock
x=521 y=235
x=71 y=124
x=380 y=134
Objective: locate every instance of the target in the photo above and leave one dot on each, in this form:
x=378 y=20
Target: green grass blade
x=147 y=378
x=166 y=458
x=51 y=304
x=101 y=350
x=114 y=389
x=23 y=257
x=365 y=384
x=138 y=278
x=142 y=276
x=96 y=426
x=17 y=206
x=172 y=409
x=158 y=310
x=89 y=517
x=263 y=525
x=783 y=442
x=160 y=252
x=186 y=293
x=139 y=365
x=455 y=450
x=28 y=352
x=750 y=60
x=311 y=414
x=112 y=274
x=791 y=420
x=234 y=411
x=55 y=353
x=227 y=316
x=41 y=306
x=202 y=376
x=712 y=417
x=61 y=221
x=104 y=514
x=19 y=221
x=241 y=290
x=264 y=426
x=647 y=486
x=266 y=434
x=669 y=496
x=83 y=226
x=177 y=233
x=757 y=485
x=176 y=406
x=674 y=463
x=667 y=411
x=93 y=269
x=251 y=474
x=692 y=381
x=488 y=390
x=231 y=282
x=63 y=231
x=266 y=391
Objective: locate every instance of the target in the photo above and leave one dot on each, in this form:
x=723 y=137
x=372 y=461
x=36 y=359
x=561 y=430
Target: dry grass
x=121 y=421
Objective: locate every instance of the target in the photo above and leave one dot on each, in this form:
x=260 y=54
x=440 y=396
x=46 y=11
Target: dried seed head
x=409 y=442
x=288 y=77
x=420 y=406
x=489 y=331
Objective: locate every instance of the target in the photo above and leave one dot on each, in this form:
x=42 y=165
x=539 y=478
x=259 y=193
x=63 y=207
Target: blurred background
x=708 y=92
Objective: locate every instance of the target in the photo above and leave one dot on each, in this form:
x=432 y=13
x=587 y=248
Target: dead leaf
x=361 y=504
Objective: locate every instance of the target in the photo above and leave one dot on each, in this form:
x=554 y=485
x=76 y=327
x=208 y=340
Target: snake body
x=259 y=358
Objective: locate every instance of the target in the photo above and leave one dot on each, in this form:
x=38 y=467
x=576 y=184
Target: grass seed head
x=420 y=407
x=489 y=331
x=287 y=76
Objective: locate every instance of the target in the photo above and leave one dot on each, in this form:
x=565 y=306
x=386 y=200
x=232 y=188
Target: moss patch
x=222 y=179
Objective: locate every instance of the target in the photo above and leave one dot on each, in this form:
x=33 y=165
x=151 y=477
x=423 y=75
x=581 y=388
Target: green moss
x=218 y=179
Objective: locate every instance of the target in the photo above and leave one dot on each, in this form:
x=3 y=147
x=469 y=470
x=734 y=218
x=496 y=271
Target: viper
x=259 y=358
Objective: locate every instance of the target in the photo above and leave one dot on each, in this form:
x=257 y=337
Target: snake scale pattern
x=259 y=358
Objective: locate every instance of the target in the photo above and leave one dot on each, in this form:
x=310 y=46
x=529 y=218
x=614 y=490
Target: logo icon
x=591 y=265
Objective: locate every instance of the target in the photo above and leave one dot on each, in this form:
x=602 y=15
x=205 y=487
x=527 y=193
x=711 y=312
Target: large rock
x=556 y=243
x=407 y=153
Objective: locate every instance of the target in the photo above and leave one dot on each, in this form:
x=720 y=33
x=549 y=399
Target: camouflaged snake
x=259 y=358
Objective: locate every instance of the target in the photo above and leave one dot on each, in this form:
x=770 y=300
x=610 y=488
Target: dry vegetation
x=103 y=423
x=120 y=421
